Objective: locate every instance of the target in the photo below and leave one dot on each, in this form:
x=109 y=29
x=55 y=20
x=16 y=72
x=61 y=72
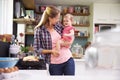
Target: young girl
x=68 y=32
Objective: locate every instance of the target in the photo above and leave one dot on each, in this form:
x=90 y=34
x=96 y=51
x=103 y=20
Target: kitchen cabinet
x=106 y=13
x=101 y=13
x=115 y=13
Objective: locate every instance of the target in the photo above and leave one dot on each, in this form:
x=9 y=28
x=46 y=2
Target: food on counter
x=16 y=68
x=9 y=73
x=8 y=70
x=1 y=70
x=31 y=58
x=5 y=37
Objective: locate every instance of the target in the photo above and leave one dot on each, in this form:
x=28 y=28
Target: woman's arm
x=37 y=45
x=53 y=52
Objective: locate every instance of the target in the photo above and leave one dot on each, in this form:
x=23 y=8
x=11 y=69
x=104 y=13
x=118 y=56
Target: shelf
x=81 y=25
x=77 y=14
x=82 y=36
x=29 y=33
x=24 y=21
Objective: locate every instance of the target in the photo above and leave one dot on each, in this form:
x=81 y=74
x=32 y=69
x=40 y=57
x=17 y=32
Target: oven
x=103 y=27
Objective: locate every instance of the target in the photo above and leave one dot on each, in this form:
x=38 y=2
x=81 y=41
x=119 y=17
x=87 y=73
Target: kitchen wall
x=6 y=16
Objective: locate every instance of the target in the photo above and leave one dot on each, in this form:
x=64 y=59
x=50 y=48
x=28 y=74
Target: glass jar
x=77 y=50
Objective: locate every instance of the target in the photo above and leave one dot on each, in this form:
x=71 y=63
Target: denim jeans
x=67 y=68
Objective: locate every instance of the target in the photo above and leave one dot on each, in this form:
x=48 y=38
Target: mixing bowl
x=8 y=62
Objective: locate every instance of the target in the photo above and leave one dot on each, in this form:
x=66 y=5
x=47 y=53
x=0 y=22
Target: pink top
x=64 y=53
x=67 y=31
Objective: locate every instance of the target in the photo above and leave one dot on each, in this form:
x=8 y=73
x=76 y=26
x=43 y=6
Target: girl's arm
x=70 y=34
x=66 y=43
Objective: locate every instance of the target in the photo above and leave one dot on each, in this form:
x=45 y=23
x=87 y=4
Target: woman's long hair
x=50 y=11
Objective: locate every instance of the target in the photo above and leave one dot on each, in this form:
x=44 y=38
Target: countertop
x=86 y=75
x=82 y=73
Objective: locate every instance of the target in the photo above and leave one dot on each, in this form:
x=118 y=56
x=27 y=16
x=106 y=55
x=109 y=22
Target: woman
x=47 y=33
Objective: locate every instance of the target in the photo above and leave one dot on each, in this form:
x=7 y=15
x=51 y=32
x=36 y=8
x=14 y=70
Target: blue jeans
x=67 y=68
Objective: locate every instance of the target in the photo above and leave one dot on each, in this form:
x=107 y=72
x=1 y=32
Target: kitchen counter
x=82 y=73
x=101 y=74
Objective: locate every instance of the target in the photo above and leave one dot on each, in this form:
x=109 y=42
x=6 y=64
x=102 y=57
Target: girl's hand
x=55 y=53
x=66 y=44
x=66 y=35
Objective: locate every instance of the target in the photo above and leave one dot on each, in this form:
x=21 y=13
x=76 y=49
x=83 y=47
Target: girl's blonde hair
x=50 y=11
x=70 y=16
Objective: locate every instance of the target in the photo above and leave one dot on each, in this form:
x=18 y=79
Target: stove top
x=30 y=65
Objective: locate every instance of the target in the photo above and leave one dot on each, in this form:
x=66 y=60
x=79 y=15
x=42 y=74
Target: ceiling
x=31 y=4
x=73 y=2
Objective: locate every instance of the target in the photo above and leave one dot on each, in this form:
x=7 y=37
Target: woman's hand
x=54 y=53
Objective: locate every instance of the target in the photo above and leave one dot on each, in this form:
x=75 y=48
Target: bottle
x=17 y=9
x=86 y=33
x=22 y=15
